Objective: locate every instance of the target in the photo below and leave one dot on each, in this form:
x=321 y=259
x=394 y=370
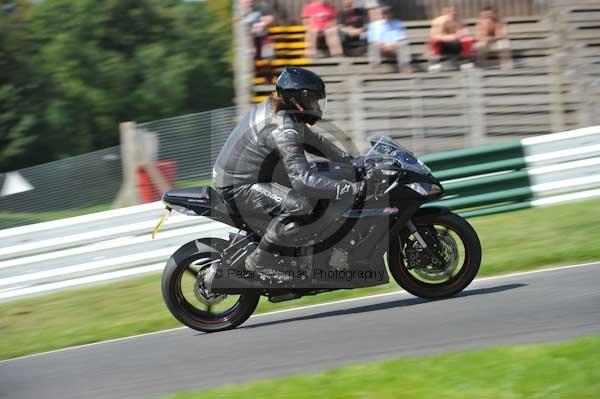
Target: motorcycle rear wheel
x=179 y=296
x=416 y=282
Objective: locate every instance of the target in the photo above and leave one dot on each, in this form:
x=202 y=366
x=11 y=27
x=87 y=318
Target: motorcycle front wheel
x=184 y=298
x=439 y=277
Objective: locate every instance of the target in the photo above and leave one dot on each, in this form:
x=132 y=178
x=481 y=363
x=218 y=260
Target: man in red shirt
x=321 y=19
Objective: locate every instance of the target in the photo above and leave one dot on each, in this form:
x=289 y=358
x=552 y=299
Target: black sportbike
x=429 y=251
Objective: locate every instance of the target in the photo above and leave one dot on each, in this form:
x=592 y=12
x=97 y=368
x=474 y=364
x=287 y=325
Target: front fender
x=427 y=214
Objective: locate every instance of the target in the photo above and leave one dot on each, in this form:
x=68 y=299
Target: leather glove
x=364 y=164
x=368 y=170
x=349 y=159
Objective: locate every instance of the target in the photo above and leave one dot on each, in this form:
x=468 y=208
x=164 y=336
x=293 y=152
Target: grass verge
x=550 y=371
x=8 y=220
x=511 y=242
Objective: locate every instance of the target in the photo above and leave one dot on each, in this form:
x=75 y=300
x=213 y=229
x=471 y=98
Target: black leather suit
x=264 y=151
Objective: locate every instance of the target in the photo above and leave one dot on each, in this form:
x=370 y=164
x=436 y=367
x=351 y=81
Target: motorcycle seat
x=190 y=193
x=198 y=199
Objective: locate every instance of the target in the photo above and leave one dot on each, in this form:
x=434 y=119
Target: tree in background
x=20 y=88
x=71 y=70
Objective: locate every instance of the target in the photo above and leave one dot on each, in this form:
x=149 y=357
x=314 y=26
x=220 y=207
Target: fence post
x=584 y=91
x=556 y=96
x=148 y=154
x=416 y=107
x=476 y=114
x=128 y=194
x=594 y=87
x=357 y=115
x=244 y=62
x=139 y=149
x=557 y=68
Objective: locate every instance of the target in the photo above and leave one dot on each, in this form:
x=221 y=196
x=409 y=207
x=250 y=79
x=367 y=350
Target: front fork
x=429 y=244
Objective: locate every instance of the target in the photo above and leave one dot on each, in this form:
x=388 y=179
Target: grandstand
x=554 y=86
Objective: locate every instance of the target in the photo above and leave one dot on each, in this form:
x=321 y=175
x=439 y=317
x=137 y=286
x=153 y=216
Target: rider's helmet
x=303 y=90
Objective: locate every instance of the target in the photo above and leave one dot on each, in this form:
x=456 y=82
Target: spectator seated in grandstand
x=450 y=40
x=352 y=27
x=258 y=18
x=490 y=33
x=372 y=7
x=320 y=20
x=387 y=37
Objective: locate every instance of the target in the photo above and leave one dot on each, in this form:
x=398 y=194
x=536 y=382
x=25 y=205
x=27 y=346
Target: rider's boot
x=264 y=264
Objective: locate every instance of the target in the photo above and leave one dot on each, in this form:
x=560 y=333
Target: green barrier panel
x=496 y=209
x=482 y=167
x=473 y=156
x=516 y=194
x=496 y=178
x=484 y=184
x=483 y=180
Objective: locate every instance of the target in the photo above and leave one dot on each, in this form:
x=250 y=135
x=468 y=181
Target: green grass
x=551 y=371
x=20 y=218
x=522 y=240
x=194 y=183
x=554 y=235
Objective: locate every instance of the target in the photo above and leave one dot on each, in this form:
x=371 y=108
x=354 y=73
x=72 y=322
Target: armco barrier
x=116 y=244
x=521 y=174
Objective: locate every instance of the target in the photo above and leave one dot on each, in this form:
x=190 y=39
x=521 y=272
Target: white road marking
x=386 y=294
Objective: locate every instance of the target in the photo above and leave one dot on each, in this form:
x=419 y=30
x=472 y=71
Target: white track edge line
x=501 y=276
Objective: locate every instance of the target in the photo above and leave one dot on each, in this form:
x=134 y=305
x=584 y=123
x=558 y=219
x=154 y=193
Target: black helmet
x=299 y=87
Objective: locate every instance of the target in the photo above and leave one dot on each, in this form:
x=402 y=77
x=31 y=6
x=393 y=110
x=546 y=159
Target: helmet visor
x=322 y=103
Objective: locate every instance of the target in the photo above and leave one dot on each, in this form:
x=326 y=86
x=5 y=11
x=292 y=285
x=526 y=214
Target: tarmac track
x=542 y=306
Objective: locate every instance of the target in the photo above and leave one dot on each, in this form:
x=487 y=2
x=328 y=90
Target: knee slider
x=290 y=229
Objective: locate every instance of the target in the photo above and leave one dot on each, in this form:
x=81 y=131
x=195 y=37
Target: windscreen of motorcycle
x=385 y=145
x=407 y=161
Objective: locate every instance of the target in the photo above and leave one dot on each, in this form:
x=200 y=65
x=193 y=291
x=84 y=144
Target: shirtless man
x=491 y=37
x=449 y=38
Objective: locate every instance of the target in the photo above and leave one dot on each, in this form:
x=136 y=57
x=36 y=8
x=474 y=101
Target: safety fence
x=77 y=182
x=193 y=141
x=116 y=244
x=84 y=183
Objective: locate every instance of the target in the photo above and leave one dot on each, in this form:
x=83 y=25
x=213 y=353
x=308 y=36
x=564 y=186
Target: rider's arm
x=316 y=144
x=289 y=144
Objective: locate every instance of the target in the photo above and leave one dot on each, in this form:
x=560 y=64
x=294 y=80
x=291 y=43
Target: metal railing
x=520 y=174
x=193 y=141
x=116 y=244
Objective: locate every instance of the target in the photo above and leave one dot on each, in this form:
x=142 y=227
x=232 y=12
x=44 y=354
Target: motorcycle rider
x=276 y=132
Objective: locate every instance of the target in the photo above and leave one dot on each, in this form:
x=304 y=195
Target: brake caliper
x=416 y=257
